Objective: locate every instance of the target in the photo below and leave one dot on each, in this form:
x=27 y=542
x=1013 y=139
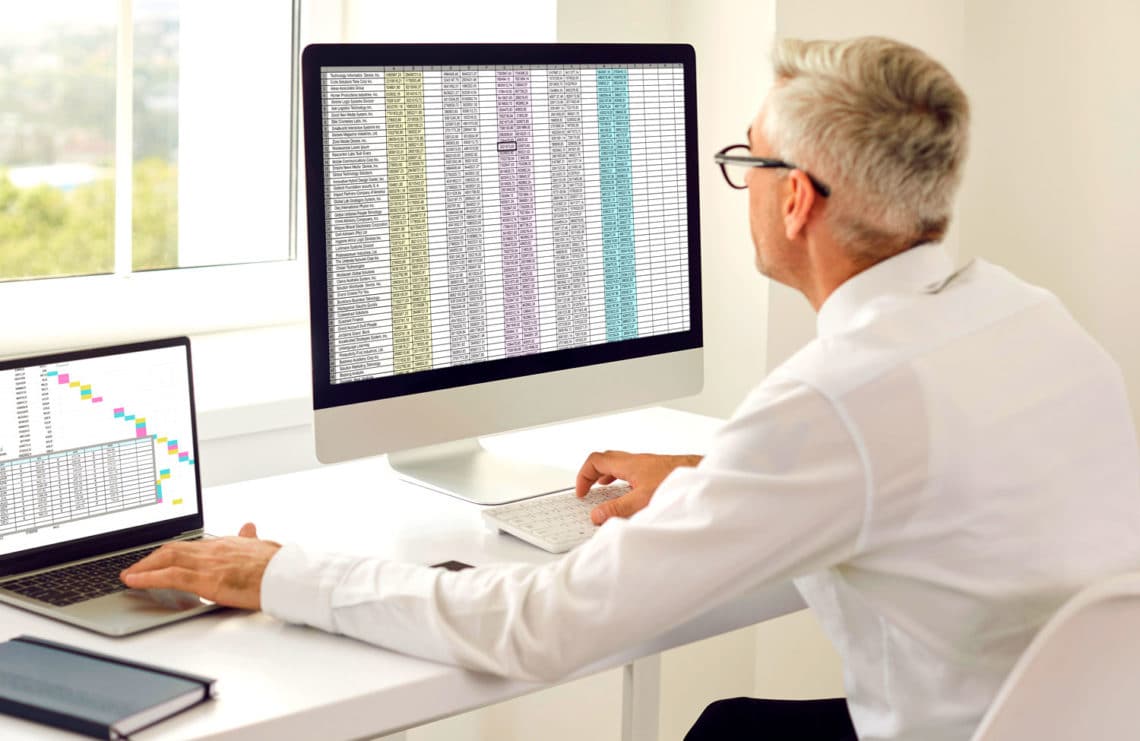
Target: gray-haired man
x=948 y=461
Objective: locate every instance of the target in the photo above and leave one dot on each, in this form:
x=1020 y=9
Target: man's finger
x=623 y=506
x=248 y=530
x=161 y=558
x=172 y=554
x=603 y=468
x=587 y=474
x=172 y=577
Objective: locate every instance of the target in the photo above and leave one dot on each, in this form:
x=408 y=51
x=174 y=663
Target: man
x=944 y=465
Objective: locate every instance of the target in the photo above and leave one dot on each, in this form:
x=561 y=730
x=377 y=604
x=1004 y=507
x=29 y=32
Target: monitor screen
x=486 y=212
x=95 y=442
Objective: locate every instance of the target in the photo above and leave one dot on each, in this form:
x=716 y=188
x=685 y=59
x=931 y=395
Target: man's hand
x=224 y=570
x=643 y=471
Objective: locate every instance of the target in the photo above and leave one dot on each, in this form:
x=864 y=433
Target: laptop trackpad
x=133 y=605
x=173 y=599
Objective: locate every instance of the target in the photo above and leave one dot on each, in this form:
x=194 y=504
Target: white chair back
x=1079 y=679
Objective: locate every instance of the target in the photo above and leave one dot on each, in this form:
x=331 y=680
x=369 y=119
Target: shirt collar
x=909 y=271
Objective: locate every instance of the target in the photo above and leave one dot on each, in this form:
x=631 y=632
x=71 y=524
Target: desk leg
x=641 y=699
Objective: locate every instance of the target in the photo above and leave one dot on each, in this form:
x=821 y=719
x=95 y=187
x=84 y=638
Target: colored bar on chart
x=119 y=412
x=63 y=378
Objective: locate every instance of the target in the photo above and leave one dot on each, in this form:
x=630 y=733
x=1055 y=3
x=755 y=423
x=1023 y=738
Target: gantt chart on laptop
x=95 y=445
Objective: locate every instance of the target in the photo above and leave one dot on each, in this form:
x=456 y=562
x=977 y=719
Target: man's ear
x=796 y=204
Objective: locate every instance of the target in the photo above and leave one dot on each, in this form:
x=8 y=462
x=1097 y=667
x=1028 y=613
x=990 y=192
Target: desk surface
x=285 y=681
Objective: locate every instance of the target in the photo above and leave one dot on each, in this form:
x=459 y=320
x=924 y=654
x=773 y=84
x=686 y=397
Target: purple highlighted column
x=517 y=211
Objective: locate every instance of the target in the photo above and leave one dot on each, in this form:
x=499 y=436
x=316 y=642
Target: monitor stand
x=465 y=469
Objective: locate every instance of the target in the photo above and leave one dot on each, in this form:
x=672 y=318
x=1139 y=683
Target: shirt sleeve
x=782 y=493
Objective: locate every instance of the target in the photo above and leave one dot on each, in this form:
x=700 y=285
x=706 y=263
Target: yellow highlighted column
x=407 y=221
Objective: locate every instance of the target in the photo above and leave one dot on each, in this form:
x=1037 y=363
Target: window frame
x=55 y=312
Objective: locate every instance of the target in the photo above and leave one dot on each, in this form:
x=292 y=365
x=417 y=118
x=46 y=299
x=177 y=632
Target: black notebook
x=90 y=693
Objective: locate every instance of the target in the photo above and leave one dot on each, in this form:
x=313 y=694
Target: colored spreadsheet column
x=467 y=320
x=568 y=216
x=616 y=175
x=517 y=207
x=407 y=221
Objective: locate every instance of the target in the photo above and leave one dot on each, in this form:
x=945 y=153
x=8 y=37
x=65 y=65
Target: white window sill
x=252 y=380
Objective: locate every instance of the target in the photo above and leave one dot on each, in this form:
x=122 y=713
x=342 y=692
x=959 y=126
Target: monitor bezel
x=326 y=394
x=21 y=561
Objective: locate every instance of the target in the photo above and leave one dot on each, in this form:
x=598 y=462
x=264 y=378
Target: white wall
x=732 y=41
x=1054 y=172
x=434 y=21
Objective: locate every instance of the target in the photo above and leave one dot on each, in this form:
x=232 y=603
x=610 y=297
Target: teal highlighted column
x=616 y=172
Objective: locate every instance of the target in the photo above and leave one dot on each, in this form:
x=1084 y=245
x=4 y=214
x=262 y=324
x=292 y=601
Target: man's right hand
x=643 y=471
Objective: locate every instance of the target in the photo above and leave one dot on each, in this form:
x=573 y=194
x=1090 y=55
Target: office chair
x=1080 y=676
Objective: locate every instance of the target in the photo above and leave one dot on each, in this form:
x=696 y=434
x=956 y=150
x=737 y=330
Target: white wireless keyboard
x=553 y=522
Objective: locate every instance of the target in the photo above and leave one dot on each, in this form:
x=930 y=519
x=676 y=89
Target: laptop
x=98 y=467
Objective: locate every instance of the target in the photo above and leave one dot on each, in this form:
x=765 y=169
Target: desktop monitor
x=500 y=236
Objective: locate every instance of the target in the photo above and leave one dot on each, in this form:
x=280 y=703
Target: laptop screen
x=95 y=442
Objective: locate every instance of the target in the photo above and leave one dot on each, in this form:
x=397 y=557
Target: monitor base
x=466 y=470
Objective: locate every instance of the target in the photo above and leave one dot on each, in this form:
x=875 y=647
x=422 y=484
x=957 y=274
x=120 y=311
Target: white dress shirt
x=948 y=461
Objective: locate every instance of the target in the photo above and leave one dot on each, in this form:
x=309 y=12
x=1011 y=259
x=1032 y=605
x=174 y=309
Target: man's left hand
x=224 y=570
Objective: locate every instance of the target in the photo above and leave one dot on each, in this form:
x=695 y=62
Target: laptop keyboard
x=77 y=583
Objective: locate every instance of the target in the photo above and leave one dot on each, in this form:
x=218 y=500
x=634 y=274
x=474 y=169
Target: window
x=139 y=136
x=103 y=103
x=57 y=140
x=192 y=99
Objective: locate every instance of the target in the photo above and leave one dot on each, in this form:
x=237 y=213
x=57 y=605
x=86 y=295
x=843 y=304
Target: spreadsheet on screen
x=489 y=211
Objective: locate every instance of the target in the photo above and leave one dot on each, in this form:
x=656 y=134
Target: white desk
x=282 y=681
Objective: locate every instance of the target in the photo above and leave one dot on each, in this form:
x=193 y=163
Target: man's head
x=884 y=126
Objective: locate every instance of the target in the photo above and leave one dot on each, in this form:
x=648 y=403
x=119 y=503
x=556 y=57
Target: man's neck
x=829 y=267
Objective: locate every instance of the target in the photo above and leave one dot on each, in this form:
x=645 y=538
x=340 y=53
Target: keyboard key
x=554 y=522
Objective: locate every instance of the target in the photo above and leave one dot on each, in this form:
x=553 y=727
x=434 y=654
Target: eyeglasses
x=739 y=162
